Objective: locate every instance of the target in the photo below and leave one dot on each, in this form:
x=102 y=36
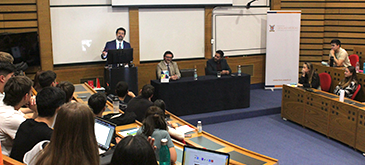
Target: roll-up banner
x=282 y=48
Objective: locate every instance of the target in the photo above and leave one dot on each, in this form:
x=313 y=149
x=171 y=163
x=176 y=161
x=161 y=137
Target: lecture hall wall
x=322 y=20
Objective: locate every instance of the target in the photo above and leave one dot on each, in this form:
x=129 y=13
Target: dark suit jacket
x=113 y=45
x=212 y=66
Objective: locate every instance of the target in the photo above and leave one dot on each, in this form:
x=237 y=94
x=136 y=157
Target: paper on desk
x=129 y=132
x=184 y=129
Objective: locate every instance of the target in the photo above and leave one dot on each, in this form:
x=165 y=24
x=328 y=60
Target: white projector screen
x=79 y=34
x=178 y=30
x=169 y=2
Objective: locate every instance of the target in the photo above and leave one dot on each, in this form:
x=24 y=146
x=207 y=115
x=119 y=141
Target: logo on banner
x=272 y=28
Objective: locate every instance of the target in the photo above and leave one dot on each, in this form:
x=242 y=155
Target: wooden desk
x=9 y=161
x=337 y=74
x=239 y=155
x=322 y=112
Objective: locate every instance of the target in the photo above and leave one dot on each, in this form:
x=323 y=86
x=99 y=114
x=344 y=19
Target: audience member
x=32 y=131
x=73 y=141
x=169 y=65
x=349 y=83
x=97 y=102
x=68 y=88
x=47 y=78
x=121 y=89
x=154 y=125
x=218 y=64
x=171 y=126
x=340 y=55
x=309 y=78
x=18 y=93
x=36 y=84
x=133 y=150
x=6 y=57
x=139 y=104
x=7 y=71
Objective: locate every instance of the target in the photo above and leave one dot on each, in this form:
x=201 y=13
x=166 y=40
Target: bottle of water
x=164 y=153
x=357 y=67
x=115 y=104
x=195 y=75
x=200 y=127
x=363 y=69
x=239 y=70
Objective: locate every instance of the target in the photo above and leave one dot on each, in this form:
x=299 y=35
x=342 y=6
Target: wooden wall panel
x=147 y=71
x=324 y=20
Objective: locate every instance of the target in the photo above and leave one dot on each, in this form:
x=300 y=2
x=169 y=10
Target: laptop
x=104 y=132
x=200 y=156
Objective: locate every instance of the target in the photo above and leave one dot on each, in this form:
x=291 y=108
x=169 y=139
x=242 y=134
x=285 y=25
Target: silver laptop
x=200 y=156
x=104 y=132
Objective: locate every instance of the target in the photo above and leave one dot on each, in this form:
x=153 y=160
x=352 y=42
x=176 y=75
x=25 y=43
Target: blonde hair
x=6 y=57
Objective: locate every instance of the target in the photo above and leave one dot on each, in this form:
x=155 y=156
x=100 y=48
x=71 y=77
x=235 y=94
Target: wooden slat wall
x=324 y=20
x=17 y=16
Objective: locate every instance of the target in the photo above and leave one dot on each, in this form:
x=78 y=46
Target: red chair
x=356 y=91
x=326 y=81
x=354 y=58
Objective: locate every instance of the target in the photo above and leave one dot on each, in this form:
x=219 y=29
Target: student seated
x=73 y=141
x=121 y=89
x=68 y=88
x=133 y=150
x=154 y=125
x=349 y=83
x=47 y=79
x=171 y=126
x=309 y=78
x=97 y=102
x=139 y=104
x=18 y=93
x=32 y=131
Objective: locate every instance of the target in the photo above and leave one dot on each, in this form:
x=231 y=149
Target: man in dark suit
x=118 y=43
x=218 y=63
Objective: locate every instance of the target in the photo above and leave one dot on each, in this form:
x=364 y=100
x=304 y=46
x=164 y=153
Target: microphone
x=249 y=4
x=331 y=61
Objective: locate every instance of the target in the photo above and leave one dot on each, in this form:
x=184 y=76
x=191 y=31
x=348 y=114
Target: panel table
x=207 y=94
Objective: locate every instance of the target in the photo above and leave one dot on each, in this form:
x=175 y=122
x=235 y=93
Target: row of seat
x=326 y=81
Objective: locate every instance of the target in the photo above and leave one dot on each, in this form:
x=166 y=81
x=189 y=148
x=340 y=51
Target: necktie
x=120 y=45
x=168 y=69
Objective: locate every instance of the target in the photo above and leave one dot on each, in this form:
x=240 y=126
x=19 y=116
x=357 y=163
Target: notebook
x=104 y=132
x=199 y=156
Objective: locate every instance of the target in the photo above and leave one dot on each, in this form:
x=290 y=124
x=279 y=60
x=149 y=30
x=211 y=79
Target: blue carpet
x=262 y=102
x=286 y=141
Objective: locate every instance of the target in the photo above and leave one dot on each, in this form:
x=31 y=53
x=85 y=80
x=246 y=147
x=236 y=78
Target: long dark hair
x=154 y=118
x=133 y=150
x=73 y=140
x=347 y=80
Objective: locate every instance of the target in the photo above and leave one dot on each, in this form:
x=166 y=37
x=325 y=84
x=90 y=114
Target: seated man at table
x=340 y=55
x=218 y=64
x=141 y=103
x=169 y=65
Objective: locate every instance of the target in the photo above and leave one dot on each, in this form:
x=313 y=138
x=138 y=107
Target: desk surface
x=324 y=113
x=238 y=154
x=207 y=94
x=337 y=74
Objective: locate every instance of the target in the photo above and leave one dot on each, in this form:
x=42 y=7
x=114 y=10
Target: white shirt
x=2 y=95
x=121 y=43
x=10 y=120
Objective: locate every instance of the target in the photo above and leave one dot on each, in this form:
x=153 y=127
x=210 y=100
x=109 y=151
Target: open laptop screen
x=199 y=156
x=104 y=132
